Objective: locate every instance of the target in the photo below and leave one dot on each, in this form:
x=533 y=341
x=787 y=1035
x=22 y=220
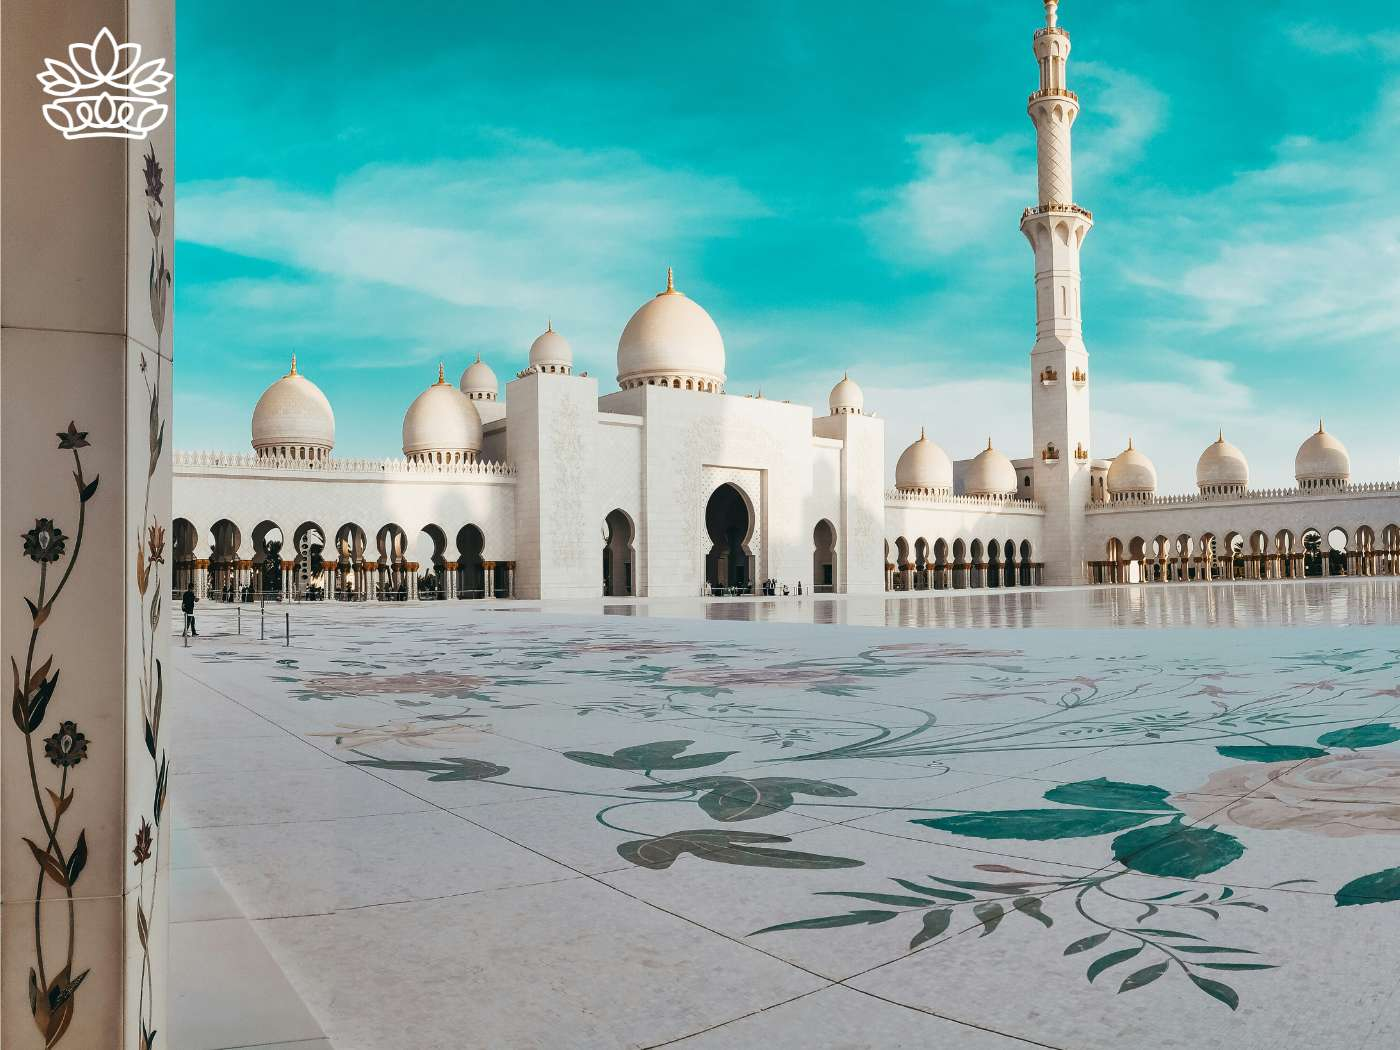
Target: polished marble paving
x=559 y=827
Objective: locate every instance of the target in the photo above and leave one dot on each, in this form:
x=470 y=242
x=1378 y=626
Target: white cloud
x=477 y=244
x=961 y=191
x=1330 y=40
x=1133 y=110
x=1303 y=252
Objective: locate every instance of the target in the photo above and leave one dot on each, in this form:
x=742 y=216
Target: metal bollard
x=262 y=624
x=289 y=629
x=240 y=619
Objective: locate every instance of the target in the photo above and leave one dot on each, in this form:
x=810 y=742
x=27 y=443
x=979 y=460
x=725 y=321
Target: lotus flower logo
x=104 y=90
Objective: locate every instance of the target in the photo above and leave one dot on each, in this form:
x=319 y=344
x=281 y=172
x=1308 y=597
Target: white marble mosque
x=668 y=486
x=396 y=826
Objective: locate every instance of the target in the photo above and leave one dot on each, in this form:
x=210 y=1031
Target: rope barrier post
x=240 y=619
x=262 y=623
x=289 y=629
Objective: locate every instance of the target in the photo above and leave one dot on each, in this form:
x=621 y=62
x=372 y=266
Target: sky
x=386 y=186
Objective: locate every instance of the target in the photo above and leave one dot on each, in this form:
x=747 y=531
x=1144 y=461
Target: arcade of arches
x=1251 y=556
x=961 y=564
x=388 y=564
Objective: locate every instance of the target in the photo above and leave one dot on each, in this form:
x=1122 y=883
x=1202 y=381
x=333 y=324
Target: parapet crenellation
x=203 y=460
x=984 y=503
x=1251 y=495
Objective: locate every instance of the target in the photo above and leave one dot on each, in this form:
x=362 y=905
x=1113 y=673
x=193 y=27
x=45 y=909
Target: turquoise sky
x=392 y=185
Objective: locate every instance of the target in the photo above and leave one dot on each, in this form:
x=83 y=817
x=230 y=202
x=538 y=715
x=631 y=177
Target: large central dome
x=671 y=341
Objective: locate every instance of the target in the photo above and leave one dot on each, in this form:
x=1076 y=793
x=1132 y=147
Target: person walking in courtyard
x=187 y=601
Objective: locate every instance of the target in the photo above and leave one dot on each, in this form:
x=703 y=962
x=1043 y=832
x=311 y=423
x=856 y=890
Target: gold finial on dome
x=294 y=366
x=921 y=434
x=989 y=442
x=442 y=375
x=549 y=325
x=670 y=282
x=1051 y=15
x=1130 y=442
x=1319 y=425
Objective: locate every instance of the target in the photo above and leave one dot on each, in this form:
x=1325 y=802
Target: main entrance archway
x=824 y=557
x=729 y=522
x=617 y=555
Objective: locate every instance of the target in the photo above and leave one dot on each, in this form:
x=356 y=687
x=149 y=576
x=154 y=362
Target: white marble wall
x=552 y=439
x=860 y=525
x=694 y=442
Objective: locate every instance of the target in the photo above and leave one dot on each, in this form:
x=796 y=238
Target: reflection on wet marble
x=1337 y=602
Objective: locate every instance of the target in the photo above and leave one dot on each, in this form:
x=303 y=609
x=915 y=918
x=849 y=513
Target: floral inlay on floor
x=1152 y=837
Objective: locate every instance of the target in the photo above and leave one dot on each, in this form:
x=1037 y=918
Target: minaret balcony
x=1079 y=377
x=1050 y=454
x=1049 y=377
x=1056 y=206
x=1052 y=93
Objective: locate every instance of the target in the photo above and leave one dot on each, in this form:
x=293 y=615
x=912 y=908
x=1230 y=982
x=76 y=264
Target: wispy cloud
x=964 y=188
x=535 y=229
x=1305 y=250
x=961 y=189
x=1324 y=39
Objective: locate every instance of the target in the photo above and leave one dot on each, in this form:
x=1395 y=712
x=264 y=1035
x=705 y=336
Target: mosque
x=670 y=486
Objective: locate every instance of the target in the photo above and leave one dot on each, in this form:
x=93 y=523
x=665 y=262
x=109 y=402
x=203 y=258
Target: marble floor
x=452 y=826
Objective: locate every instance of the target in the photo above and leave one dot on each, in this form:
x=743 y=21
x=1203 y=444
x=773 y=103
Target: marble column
x=489 y=576
x=510 y=579
x=86 y=234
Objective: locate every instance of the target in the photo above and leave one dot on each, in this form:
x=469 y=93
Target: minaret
x=1056 y=227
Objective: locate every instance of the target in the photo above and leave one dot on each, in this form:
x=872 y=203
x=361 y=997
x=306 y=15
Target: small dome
x=293 y=418
x=671 y=340
x=990 y=474
x=1131 y=474
x=442 y=425
x=1322 y=460
x=479 y=382
x=847 y=398
x=1222 y=466
x=551 y=352
x=923 y=467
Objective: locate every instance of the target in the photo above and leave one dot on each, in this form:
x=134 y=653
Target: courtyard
x=981 y=821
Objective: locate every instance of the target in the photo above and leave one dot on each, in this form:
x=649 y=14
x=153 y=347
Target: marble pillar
x=86 y=234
